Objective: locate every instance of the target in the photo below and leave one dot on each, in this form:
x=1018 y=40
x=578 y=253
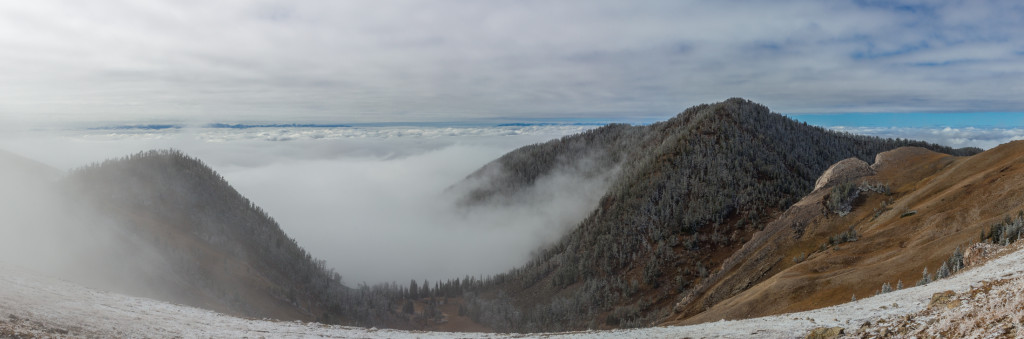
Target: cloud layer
x=351 y=61
x=983 y=138
x=371 y=201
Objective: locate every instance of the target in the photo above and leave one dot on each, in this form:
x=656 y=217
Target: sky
x=373 y=61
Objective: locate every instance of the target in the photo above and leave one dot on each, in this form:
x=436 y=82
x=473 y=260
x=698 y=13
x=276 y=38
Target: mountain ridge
x=705 y=182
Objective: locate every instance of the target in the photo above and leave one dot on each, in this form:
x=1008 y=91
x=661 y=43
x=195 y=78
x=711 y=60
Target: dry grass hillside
x=909 y=212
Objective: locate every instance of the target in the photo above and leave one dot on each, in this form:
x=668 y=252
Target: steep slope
x=690 y=192
x=912 y=214
x=189 y=237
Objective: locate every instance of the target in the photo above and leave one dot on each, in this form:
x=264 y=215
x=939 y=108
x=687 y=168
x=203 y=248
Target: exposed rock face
x=945 y=299
x=842 y=171
x=979 y=252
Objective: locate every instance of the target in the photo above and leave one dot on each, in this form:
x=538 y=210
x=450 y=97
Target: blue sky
x=981 y=120
x=372 y=61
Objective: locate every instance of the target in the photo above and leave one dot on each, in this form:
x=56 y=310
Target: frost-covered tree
x=886 y=288
x=925 y=278
x=943 y=271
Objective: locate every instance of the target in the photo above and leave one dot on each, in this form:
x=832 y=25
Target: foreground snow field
x=34 y=304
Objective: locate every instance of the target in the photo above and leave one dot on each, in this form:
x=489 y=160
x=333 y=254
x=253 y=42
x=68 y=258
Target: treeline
x=689 y=187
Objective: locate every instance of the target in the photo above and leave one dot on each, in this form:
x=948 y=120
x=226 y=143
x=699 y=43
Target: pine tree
x=408 y=307
x=925 y=278
x=943 y=271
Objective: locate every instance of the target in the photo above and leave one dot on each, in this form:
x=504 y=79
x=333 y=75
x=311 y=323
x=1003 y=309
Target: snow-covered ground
x=36 y=304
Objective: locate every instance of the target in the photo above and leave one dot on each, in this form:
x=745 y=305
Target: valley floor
x=33 y=305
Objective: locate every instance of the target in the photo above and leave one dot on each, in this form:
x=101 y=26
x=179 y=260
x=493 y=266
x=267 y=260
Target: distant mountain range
x=173 y=126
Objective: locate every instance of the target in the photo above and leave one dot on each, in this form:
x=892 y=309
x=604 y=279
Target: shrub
x=840 y=198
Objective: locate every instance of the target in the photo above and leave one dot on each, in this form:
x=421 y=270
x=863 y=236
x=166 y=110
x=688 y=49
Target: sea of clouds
x=372 y=201
x=983 y=138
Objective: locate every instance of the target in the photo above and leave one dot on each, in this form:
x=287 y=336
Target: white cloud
x=410 y=61
x=984 y=138
x=370 y=201
x=381 y=220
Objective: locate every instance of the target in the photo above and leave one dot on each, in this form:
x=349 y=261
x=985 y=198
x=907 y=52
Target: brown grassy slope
x=955 y=199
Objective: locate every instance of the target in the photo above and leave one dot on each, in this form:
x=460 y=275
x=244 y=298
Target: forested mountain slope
x=690 y=192
x=591 y=155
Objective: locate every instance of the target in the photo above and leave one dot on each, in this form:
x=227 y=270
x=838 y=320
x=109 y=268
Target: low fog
x=374 y=203
x=47 y=228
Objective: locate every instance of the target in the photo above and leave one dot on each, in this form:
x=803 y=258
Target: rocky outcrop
x=979 y=253
x=825 y=333
x=843 y=171
x=946 y=299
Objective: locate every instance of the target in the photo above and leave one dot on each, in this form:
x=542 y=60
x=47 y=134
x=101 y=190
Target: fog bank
x=371 y=202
